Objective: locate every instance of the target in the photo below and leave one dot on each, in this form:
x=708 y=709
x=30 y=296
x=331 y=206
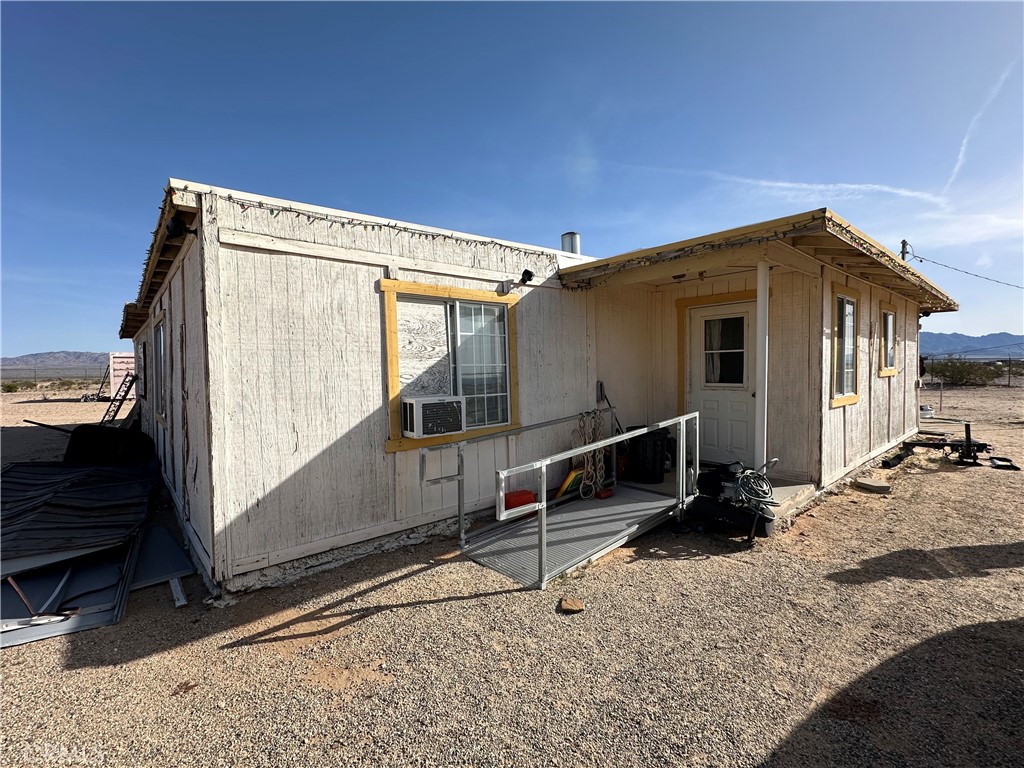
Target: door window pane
x=724 y=356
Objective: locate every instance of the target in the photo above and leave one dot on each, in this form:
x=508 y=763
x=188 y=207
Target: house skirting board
x=837 y=476
x=286 y=569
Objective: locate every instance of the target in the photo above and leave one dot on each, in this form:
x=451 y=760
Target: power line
x=982 y=349
x=964 y=271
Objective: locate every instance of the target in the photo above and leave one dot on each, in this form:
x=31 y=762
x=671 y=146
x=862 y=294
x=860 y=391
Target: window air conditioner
x=429 y=416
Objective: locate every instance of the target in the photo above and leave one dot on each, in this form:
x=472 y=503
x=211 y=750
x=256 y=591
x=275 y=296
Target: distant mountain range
x=989 y=345
x=57 y=360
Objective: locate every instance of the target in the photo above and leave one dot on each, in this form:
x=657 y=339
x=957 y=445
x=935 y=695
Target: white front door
x=719 y=376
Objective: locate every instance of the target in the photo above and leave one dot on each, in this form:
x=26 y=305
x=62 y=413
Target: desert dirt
x=883 y=630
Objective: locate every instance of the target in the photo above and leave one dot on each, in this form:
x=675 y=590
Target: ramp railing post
x=542 y=529
x=681 y=468
x=499 y=493
x=462 y=497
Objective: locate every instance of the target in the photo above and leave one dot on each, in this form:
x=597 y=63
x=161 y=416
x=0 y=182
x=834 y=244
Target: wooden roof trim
x=728 y=235
x=940 y=300
x=159 y=258
x=823 y=233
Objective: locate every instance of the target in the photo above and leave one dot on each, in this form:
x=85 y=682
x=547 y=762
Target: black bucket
x=647 y=457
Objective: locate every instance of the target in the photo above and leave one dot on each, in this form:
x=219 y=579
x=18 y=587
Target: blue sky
x=634 y=124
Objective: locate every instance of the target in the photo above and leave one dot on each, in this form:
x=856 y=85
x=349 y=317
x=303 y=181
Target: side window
x=844 y=346
x=141 y=371
x=449 y=341
x=159 y=368
x=887 y=341
x=456 y=347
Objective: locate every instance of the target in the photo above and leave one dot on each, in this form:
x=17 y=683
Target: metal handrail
x=683 y=497
x=460 y=445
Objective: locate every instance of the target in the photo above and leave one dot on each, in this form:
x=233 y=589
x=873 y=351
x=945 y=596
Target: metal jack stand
x=967 y=449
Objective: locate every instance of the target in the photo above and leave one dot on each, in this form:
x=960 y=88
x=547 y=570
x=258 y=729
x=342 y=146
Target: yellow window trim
x=838 y=402
x=884 y=308
x=838 y=289
x=392 y=289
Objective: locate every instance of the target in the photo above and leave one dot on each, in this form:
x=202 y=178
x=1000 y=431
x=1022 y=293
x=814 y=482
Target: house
x=276 y=340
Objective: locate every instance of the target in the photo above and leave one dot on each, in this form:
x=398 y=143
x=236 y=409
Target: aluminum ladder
x=119 y=397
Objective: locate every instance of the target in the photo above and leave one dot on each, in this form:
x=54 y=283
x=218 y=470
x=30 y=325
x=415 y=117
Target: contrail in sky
x=834 y=187
x=992 y=94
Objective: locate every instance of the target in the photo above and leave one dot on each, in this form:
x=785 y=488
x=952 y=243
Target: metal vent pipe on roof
x=571 y=242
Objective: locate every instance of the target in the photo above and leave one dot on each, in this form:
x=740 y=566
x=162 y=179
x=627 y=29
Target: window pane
x=723 y=367
x=483 y=364
x=732 y=368
x=723 y=333
x=732 y=333
x=424 y=359
x=889 y=335
x=845 y=344
x=493 y=410
x=465 y=317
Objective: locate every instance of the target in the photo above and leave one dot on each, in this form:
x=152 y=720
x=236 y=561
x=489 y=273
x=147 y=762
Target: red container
x=515 y=499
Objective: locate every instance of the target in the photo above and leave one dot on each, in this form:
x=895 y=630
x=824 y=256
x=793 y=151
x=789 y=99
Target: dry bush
x=957 y=371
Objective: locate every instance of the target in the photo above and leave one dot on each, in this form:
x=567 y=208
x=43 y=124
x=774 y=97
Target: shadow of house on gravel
x=344 y=612
x=925 y=565
x=151 y=626
x=953 y=700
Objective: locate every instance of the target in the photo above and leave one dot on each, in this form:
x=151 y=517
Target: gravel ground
x=878 y=630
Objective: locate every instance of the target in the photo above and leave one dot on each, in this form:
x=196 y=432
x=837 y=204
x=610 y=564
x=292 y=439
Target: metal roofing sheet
x=93 y=594
x=48 y=508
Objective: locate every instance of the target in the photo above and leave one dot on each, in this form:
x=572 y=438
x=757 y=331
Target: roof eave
x=929 y=296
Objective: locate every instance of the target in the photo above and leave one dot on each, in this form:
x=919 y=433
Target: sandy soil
x=24 y=442
x=883 y=630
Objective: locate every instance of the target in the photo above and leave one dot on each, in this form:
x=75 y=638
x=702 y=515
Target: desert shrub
x=9 y=386
x=958 y=371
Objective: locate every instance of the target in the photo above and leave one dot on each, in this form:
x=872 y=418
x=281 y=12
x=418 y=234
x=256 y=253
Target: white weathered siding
x=625 y=343
x=298 y=390
x=886 y=411
x=794 y=427
x=195 y=448
x=181 y=434
x=304 y=423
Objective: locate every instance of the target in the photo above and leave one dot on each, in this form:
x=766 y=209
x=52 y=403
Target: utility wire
x=982 y=349
x=964 y=271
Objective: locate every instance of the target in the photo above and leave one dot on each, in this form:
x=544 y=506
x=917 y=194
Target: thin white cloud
x=984 y=261
x=835 y=190
x=581 y=163
x=944 y=229
x=971 y=126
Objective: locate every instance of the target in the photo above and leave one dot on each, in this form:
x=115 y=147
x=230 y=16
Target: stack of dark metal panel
x=71 y=539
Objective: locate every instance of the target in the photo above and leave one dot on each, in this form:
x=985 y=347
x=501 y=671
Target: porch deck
x=576 y=532
x=791 y=494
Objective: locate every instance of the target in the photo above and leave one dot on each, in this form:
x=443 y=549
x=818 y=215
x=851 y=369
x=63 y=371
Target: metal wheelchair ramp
x=576 y=532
